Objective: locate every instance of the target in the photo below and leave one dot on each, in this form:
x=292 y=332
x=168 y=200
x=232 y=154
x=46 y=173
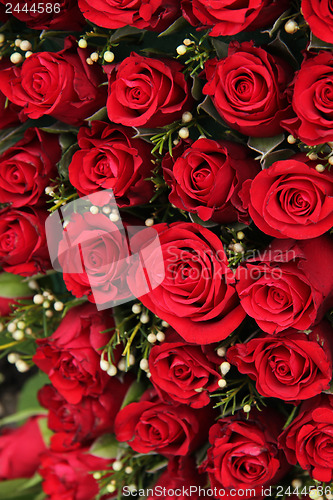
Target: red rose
x=229 y=17
x=312 y=101
x=23 y=247
x=290 y=199
x=288 y=286
x=154 y=15
x=60 y=84
x=110 y=158
x=68 y=475
x=207 y=177
x=8 y=111
x=244 y=452
x=71 y=356
x=197 y=297
x=54 y=15
x=152 y=425
x=147 y=92
x=78 y=424
x=105 y=253
x=182 y=372
x=308 y=440
x=319 y=16
x=181 y=475
x=290 y=366
x=248 y=89
x=27 y=167
x=14 y=463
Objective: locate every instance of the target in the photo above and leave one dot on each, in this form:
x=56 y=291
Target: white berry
x=181 y=50
x=184 y=133
x=25 y=45
x=108 y=56
x=83 y=43
x=16 y=58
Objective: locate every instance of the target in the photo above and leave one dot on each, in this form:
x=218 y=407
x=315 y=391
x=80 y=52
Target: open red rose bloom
x=166 y=252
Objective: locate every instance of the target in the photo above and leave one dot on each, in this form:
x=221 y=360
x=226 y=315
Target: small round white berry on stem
x=184 y=133
x=16 y=58
x=83 y=44
x=108 y=56
x=291 y=27
x=181 y=50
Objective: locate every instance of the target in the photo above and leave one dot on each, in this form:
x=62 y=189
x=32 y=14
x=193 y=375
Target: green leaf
x=45 y=431
x=264 y=145
x=208 y=106
x=12 y=285
x=105 y=446
x=63 y=164
x=133 y=394
x=101 y=114
x=66 y=140
x=204 y=223
x=196 y=89
x=126 y=31
x=221 y=48
x=278 y=48
x=28 y=397
x=316 y=43
x=52 y=34
x=10 y=136
x=22 y=415
x=22 y=489
x=143 y=133
x=157 y=467
x=291 y=417
x=59 y=128
x=278 y=23
x=282 y=154
x=176 y=26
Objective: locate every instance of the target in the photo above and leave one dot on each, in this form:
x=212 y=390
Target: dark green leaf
x=282 y=154
x=59 y=128
x=208 y=106
x=279 y=48
x=204 y=223
x=63 y=164
x=145 y=132
x=221 y=48
x=278 y=23
x=178 y=25
x=124 y=32
x=10 y=136
x=66 y=140
x=157 y=467
x=196 y=88
x=316 y=43
x=101 y=114
x=264 y=145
